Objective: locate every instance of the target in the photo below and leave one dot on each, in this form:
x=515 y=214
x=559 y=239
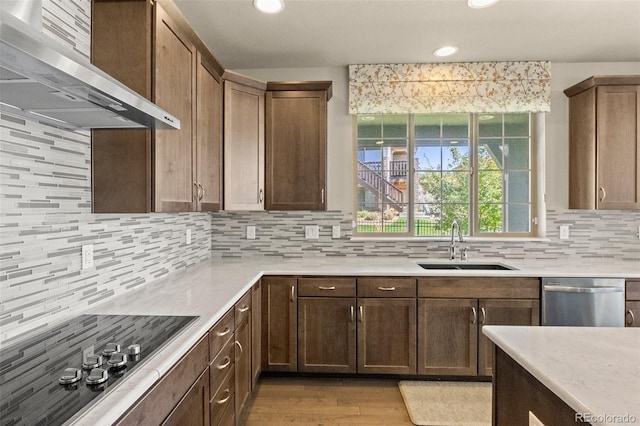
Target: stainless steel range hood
x=48 y=82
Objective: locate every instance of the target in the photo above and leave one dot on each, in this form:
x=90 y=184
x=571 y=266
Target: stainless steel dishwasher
x=589 y=302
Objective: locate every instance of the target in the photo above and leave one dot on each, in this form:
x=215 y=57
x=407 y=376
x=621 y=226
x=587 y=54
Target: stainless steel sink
x=467 y=266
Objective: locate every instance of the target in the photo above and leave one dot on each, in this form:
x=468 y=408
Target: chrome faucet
x=453 y=249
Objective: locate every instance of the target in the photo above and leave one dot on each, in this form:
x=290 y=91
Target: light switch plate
x=251 y=232
x=311 y=232
x=87 y=256
x=564 y=232
x=335 y=231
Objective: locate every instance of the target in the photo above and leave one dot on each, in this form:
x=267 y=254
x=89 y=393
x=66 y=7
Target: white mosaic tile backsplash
x=45 y=215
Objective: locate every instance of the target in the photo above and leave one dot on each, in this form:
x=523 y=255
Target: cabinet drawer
x=633 y=290
x=479 y=288
x=327 y=287
x=154 y=407
x=221 y=333
x=228 y=418
x=223 y=399
x=243 y=308
x=386 y=287
x=221 y=365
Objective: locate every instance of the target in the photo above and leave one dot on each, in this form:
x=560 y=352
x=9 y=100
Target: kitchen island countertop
x=595 y=371
x=210 y=288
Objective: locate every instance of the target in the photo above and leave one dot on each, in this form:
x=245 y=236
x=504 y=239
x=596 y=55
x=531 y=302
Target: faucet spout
x=453 y=247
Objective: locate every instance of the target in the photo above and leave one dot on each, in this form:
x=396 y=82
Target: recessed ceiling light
x=480 y=4
x=367 y=118
x=269 y=6
x=446 y=51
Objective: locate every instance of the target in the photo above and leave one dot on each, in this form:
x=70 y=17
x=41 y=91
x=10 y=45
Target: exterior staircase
x=370 y=177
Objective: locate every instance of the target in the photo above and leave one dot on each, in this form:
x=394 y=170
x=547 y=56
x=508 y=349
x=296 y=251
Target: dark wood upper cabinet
x=164 y=61
x=604 y=143
x=296 y=145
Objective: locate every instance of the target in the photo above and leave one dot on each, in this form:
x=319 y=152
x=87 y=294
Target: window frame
x=474 y=233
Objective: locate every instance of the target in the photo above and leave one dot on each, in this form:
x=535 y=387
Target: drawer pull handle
x=352 y=313
x=483 y=316
x=387 y=288
x=474 y=315
x=202 y=189
x=227 y=362
x=244 y=309
x=197 y=193
x=224 y=332
x=604 y=193
x=239 y=347
x=630 y=317
x=293 y=293
x=224 y=401
x=361 y=310
x=327 y=287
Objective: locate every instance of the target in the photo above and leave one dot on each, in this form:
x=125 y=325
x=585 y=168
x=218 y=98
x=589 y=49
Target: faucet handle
x=464 y=253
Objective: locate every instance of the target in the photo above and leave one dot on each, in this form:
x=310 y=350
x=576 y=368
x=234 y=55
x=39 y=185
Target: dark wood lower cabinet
x=243 y=365
x=632 y=313
x=516 y=392
x=279 y=324
x=447 y=336
x=387 y=335
x=193 y=409
x=502 y=312
x=326 y=335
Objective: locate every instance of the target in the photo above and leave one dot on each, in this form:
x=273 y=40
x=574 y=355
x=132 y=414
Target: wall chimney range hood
x=45 y=81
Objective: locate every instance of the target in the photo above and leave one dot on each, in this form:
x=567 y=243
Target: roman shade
x=461 y=87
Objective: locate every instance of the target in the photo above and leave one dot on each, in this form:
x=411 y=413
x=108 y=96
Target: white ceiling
x=319 y=33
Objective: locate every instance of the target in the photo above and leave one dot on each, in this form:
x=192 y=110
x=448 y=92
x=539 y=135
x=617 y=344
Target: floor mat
x=432 y=403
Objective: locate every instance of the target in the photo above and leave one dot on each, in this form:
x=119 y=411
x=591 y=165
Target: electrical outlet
x=251 y=232
x=564 y=232
x=335 y=231
x=188 y=236
x=87 y=256
x=89 y=351
x=311 y=232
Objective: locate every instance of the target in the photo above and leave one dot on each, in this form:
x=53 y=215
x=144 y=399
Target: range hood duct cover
x=43 y=80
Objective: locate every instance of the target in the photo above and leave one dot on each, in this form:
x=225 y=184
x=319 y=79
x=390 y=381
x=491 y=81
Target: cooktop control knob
x=133 y=349
x=110 y=349
x=70 y=375
x=117 y=360
x=92 y=361
x=97 y=376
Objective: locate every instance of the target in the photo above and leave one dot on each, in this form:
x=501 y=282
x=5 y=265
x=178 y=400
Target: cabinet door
x=447 y=336
x=208 y=164
x=279 y=324
x=502 y=312
x=243 y=365
x=632 y=313
x=256 y=324
x=243 y=147
x=326 y=335
x=387 y=336
x=193 y=409
x=618 y=153
x=174 y=90
x=296 y=150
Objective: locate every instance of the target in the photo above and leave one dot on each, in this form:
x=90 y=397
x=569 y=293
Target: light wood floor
x=311 y=401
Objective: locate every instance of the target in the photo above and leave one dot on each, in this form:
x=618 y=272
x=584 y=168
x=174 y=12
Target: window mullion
x=410 y=176
x=473 y=184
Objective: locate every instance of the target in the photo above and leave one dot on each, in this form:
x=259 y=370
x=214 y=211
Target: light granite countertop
x=593 y=370
x=210 y=288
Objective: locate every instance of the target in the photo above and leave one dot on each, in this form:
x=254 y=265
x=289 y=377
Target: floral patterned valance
x=450 y=87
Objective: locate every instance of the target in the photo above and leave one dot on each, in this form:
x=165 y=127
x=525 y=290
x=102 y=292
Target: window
x=418 y=173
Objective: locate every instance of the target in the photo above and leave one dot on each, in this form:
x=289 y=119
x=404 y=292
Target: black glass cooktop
x=30 y=391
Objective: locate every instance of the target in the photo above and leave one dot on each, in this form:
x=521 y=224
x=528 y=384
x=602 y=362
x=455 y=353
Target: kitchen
x=46 y=214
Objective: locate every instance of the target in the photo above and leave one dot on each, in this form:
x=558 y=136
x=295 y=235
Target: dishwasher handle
x=571 y=289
